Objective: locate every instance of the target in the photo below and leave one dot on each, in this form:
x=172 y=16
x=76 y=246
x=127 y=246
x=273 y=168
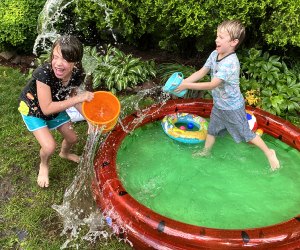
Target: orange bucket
x=103 y=110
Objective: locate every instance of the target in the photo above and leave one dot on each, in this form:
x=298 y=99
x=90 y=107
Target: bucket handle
x=180 y=74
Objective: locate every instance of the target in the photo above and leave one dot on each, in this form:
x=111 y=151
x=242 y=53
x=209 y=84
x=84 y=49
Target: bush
x=268 y=83
x=178 y=25
x=18 y=23
x=115 y=70
x=282 y=27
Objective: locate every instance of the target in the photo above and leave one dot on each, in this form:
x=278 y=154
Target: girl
x=51 y=90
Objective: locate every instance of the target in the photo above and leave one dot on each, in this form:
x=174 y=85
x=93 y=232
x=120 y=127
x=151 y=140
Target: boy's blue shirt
x=227 y=96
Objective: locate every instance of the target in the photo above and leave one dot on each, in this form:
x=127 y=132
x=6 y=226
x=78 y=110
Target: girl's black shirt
x=29 y=104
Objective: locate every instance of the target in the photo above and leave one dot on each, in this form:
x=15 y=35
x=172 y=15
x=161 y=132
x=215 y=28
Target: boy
x=228 y=113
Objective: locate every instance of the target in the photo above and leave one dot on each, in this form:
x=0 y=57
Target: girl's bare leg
x=70 y=138
x=48 y=145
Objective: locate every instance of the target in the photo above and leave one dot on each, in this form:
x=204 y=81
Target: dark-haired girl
x=52 y=89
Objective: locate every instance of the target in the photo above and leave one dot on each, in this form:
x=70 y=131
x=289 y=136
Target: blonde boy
x=228 y=113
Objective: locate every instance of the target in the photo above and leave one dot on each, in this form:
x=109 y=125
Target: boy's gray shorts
x=233 y=121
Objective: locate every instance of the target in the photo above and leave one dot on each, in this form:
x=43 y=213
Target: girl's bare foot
x=43 y=178
x=71 y=157
x=272 y=158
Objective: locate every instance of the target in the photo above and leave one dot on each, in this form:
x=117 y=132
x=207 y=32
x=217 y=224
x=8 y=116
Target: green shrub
x=115 y=70
x=18 y=23
x=282 y=27
x=178 y=25
x=269 y=80
x=97 y=17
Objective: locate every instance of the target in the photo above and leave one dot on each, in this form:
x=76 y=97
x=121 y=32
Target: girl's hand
x=85 y=96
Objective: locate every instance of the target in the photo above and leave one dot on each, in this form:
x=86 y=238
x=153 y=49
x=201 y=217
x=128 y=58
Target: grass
x=27 y=220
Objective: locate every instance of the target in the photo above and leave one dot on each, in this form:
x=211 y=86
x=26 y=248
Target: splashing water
x=79 y=209
x=52 y=13
x=135 y=102
x=48 y=17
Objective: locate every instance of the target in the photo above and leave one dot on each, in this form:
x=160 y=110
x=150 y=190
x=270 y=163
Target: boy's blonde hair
x=235 y=29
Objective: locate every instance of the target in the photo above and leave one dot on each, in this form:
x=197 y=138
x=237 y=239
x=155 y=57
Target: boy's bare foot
x=202 y=153
x=43 y=178
x=71 y=157
x=272 y=158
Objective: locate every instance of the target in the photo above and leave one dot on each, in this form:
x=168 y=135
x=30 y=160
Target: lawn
x=27 y=220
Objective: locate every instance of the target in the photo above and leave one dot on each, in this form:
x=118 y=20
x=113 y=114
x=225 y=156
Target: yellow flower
x=251 y=97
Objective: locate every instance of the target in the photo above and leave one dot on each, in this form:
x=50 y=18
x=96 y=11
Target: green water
x=234 y=188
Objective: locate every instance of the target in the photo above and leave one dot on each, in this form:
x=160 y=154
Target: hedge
x=18 y=23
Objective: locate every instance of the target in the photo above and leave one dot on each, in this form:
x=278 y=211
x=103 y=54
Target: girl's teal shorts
x=34 y=123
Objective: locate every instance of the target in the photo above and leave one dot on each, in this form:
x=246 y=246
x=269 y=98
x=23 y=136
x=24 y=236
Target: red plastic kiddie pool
x=146 y=229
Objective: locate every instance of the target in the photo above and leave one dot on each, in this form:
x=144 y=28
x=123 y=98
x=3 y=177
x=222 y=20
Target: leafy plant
x=173 y=24
x=116 y=71
x=281 y=27
x=275 y=86
x=18 y=23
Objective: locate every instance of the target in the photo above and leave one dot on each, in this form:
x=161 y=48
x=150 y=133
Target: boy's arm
x=191 y=81
x=197 y=75
x=215 y=82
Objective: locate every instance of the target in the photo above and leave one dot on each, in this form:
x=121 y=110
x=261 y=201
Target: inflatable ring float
x=184 y=135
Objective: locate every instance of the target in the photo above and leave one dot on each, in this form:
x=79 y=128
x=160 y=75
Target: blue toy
x=190 y=125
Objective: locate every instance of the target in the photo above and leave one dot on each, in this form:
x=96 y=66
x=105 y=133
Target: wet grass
x=27 y=220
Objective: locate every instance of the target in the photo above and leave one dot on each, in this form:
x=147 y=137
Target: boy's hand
x=181 y=87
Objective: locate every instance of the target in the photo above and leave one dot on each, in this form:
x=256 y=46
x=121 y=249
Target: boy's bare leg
x=270 y=153
x=209 y=142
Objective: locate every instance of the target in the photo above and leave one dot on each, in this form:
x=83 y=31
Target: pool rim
x=147 y=229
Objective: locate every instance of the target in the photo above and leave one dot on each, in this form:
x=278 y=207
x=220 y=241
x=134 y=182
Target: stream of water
x=79 y=210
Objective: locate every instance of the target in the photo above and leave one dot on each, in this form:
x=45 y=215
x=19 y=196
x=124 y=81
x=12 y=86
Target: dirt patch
x=21 y=62
x=6 y=189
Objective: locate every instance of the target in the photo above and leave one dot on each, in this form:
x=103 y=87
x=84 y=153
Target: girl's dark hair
x=71 y=48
